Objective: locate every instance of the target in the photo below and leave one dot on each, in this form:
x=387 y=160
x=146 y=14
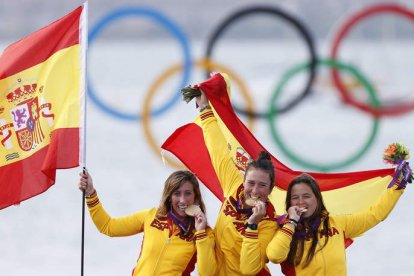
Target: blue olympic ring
x=170 y=26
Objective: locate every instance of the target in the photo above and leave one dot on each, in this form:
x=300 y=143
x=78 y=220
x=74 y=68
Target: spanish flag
x=343 y=193
x=42 y=107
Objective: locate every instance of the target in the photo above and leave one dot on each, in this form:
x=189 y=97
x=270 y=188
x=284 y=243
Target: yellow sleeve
x=253 y=251
x=114 y=227
x=358 y=223
x=278 y=249
x=228 y=175
x=206 y=257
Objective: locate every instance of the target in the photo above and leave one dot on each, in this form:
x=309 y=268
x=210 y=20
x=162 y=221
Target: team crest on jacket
x=241 y=160
x=23 y=117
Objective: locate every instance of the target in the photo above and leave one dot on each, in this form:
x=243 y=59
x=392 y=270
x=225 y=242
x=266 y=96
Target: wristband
x=204 y=107
x=293 y=220
x=252 y=226
x=293 y=223
x=91 y=195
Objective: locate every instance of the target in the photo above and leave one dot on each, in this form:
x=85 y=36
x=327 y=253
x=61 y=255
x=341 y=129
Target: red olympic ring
x=340 y=35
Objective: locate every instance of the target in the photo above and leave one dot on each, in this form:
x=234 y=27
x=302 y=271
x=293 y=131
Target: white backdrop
x=42 y=235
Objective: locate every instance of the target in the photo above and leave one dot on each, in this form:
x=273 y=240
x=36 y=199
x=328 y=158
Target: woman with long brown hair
x=175 y=234
x=312 y=242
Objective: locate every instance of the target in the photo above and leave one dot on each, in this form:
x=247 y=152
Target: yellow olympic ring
x=203 y=64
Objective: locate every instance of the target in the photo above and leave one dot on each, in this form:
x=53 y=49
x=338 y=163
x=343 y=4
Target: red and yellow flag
x=343 y=192
x=42 y=107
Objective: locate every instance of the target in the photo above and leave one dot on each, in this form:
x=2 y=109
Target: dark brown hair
x=297 y=245
x=263 y=162
x=174 y=182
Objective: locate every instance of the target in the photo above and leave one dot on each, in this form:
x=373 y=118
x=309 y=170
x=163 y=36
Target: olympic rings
x=205 y=64
x=171 y=27
x=311 y=165
x=363 y=14
x=373 y=107
x=303 y=31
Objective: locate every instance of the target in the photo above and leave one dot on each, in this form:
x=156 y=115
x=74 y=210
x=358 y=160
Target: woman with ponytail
x=246 y=221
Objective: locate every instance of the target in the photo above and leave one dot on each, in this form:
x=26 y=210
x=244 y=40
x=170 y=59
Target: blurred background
x=268 y=52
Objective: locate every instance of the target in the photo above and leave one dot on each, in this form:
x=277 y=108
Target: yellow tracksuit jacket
x=229 y=229
x=164 y=251
x=331 y=260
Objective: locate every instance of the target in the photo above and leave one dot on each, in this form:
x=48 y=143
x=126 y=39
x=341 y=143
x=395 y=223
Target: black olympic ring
x=303 y=31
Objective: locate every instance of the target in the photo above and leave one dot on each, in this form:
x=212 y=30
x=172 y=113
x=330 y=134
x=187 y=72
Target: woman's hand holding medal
x=200 y=222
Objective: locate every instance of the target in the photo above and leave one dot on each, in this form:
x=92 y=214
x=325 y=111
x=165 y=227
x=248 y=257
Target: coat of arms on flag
x=30 y=108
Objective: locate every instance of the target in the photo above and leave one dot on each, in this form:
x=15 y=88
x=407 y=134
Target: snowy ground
x=42 y=236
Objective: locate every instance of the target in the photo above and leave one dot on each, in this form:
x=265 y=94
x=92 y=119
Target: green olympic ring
x=312 y=165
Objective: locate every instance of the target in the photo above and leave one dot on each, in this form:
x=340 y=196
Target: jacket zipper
x=170 y=233
x=323 y=258
x=161 y=255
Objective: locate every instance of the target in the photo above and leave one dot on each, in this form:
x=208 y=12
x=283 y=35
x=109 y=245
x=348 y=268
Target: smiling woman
x=246 y=221
x=173 y=240
x=313 y=242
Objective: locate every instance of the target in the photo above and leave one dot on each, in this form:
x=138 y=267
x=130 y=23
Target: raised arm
x=360 y=222
x=220 y=155
x=113 y=227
